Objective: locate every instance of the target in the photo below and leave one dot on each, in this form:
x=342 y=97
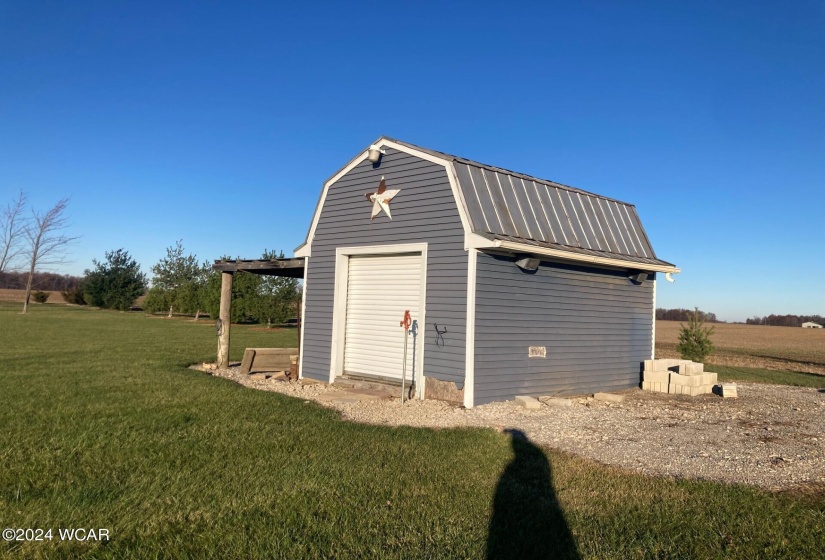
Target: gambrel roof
x=503 y=209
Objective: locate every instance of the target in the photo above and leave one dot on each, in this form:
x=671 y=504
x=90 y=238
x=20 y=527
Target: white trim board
x=470 y=356
x=303 y=320
x=653 y=330
x=339 y=306
x=305 y=249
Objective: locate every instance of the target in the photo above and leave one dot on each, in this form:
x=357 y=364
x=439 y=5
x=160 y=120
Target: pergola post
x=225 y=318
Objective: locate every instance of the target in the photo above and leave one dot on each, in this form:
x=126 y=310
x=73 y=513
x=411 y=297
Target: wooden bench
x=271 y=359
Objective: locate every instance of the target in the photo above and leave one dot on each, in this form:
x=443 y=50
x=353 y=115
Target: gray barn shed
x=518 y=285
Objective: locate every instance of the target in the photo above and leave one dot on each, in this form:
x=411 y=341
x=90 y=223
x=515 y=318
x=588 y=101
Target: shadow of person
x=527 y=521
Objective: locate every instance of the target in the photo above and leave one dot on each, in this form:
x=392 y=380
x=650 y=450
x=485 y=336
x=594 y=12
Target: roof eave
x=476 y=241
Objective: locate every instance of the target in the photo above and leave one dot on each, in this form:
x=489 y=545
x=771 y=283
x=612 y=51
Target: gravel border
x=771 y=436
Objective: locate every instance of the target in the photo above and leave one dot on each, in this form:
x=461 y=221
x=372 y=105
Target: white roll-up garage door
x=379 y=290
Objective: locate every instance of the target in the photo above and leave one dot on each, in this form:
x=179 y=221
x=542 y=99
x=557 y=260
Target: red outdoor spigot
x=407 y=322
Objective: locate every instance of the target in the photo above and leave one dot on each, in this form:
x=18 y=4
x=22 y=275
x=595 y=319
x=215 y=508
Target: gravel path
x=770 y=436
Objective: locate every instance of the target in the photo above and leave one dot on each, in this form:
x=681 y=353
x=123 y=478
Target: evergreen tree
x=171 y=274
x=245 y=296
x=115 y=283
x=694 y=339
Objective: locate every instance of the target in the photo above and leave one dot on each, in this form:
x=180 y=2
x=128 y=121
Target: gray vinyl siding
x=423 y=211
x=595 y=323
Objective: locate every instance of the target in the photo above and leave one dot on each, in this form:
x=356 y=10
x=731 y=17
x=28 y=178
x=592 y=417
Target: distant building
x=810 y=325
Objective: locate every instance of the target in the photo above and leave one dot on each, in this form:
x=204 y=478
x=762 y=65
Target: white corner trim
x=305 y=250
x=339 y=315
x=653 y=337
x=422 y=318
x=303 y=320
x=470 y=357
x=339 y=306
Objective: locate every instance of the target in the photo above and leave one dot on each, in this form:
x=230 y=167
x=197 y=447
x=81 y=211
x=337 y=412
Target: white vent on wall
x=537 y=352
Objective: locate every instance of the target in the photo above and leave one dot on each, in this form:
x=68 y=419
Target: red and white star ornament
x=381 y=199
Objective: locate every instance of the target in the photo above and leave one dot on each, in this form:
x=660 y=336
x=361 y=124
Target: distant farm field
x=755 y=346
x=17 y=296
x=20 y=295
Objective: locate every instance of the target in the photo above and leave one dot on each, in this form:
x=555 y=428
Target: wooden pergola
x=291 y=268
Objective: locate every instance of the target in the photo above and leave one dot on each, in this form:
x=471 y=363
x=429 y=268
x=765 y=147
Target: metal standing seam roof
x=514 y=207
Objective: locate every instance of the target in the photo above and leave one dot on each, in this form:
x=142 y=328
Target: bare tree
x=47 y=242
x=12 y=231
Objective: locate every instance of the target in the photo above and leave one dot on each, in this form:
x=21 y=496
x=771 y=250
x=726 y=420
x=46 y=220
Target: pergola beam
x=293 y=268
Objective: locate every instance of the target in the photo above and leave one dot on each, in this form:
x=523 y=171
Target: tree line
x=31 y=239
x=786 y=320
x=181 y=284
x=685 y=315
x=42 y=281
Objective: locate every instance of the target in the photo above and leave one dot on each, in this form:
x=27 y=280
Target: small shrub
x=694 y=339
x=40 y=296
x=74 y=295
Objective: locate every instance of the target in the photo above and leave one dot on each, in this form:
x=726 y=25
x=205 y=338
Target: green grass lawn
x=777 y=377
x=102 y=426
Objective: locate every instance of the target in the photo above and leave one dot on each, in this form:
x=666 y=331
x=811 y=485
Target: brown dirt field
x=758 y=346
x=17 y=296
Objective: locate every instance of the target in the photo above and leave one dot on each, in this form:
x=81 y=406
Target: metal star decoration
x=381 y=199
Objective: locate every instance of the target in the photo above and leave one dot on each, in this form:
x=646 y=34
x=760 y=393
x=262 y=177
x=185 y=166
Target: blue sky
x=217 y=123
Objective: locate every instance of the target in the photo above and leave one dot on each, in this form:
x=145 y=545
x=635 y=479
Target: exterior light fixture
x=637 y=276
x=528 y=263
x=374 y=153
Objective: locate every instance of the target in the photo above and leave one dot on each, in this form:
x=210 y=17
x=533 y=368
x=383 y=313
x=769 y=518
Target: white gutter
x=480 y=242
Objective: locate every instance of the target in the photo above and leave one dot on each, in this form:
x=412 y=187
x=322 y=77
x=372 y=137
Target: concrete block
x=689 y=380
x=656 y=365
x=709 y=378
x=656 y=376
x=687 y=390
x=691 y=368
x=729 y=390
x=690 y=390
x=608 y=397
x=555 y=401
x=527 y=402
x=654 y=386
x=674 y=365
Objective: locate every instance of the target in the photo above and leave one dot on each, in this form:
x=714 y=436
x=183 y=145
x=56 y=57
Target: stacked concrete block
x=690 y=368
x=678 y=377
x=729 y=390
x=656 y=381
